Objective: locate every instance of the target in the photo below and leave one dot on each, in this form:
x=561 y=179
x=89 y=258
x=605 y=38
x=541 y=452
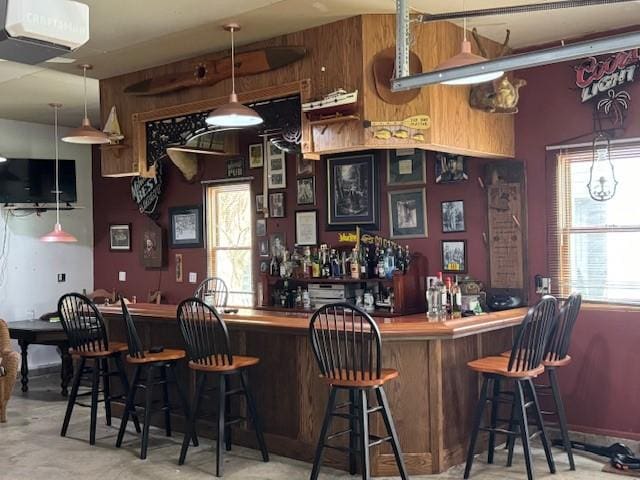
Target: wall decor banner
x=146 y=192
x=596 y=78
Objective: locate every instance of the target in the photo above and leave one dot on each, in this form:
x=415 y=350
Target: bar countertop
x=414 y=326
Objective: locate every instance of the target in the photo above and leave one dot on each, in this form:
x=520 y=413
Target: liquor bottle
x=306 y=300
x=389 y=263
x=400 y=259
x=407 y=258
x=449 y=296
x=363 y=262
x=315 y=266
x=343 y=264
x=326 y=266
x=299 y=297
x=434 y=301
x=274 y=268
x=456 y=301
x=283 y=264
x=443 y=295
x=381 y=263
x=335 y=264
x=355 y=267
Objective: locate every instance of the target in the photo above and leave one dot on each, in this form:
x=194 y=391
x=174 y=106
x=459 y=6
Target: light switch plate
x=62 y=277
x=122 y=276
x=193 y=277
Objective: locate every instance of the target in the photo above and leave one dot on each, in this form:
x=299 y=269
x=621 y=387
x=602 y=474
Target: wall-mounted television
x=30 y=180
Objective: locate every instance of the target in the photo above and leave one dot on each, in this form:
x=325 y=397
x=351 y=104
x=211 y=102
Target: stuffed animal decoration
x=499 y=96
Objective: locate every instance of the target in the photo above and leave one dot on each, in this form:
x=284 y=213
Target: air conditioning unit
x=32 y=31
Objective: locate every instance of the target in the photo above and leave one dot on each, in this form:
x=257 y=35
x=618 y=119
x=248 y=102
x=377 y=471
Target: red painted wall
x=599 y=387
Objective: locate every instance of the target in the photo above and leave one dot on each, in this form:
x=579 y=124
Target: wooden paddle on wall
x=210 y=73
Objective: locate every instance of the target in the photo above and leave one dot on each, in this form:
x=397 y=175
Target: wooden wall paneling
x=436 y=399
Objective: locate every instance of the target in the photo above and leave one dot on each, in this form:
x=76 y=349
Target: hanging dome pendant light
x=233 y=114
x=57 y=234
x=85 y=133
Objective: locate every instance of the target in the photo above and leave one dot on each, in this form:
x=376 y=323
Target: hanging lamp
x=465 y=58
x=85 y=133
x=57 y=234
x=602 y=178
x=233 y=114
x=2 y=158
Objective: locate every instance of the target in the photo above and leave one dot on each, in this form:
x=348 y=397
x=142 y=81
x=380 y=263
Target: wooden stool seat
x=500 y=366
x=557 y=363
x=114 y=347
x=166 y=355
x=352 y=379
x=217 y=364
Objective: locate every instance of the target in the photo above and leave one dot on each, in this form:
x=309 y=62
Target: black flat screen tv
x=34 y=181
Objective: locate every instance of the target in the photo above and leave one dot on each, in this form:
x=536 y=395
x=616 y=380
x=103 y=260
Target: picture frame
x=256 y=155
x=454 y=256
x=307 y=227
x=263 y=247
x=264 y=266
x=260 y=203
x=452 y=216
x=261 y=227
x=304 y=166
x=235 y=167
x=408 y=213
x=152 y=245
x=306 y=191
x=186 y=227
x=277 y=205
x=120 y=237
x=406 y=167
x=451 y=168
x=276 y=168
x=179 y=267
x=277 y=244
x=353 y=192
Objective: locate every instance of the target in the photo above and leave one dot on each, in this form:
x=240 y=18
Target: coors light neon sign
x=596 y=77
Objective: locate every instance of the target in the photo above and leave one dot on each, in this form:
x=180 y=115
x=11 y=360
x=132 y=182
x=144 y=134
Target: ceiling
x=132 y=35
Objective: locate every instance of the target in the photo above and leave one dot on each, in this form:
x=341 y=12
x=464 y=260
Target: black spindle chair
x=153 y=367
x=88 y=341
x=209 y=351
x=522 y=365
x=213 y=291
x=348 y=348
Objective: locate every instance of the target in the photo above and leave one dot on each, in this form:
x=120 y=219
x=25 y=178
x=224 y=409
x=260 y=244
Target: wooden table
x=41 y=332
x=432 y=401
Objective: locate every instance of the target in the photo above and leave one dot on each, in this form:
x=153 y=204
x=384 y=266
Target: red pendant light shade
x=58 y=235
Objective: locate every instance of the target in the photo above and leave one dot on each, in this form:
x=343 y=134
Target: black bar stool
x=85 y=329
x=147 y=364
x=209 y=350
x=348 y=347
x=523 y=364
x=213 y=291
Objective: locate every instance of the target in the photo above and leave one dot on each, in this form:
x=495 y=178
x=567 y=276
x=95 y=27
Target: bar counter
x=431 y=401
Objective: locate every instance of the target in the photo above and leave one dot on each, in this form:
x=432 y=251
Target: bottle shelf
x=273 y=280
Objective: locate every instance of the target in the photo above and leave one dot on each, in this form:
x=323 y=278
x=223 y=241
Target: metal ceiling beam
x=536 y=58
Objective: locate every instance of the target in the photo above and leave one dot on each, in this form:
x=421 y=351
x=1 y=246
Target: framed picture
x=304 y=166
x=453 y=216
x=408 y=213
x=120 y=237
x=186 y=227
x=256 y=155
x=264 y=267
x=451 y=168
x=276 y=168
x=235 y=167
x=263 y=247
x=277 y=244
x=306 y=191
x=353 y=191
x=406 y=166
x=179 y=267
x=152 y=246
x=261 y=227
x=307 y=228
x=276 y=205
x=454 y=256
x=260 y=203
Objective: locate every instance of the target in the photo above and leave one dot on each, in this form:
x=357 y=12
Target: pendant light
x=465 y=58
x=57 y=234
x=602 y=178
x=2 y=158
x=233 y=114
x=85 y=133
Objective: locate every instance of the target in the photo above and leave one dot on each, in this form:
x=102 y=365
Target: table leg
x=66 y=370
x=24 y=368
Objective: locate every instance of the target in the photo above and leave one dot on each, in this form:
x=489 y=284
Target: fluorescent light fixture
x=536 y=58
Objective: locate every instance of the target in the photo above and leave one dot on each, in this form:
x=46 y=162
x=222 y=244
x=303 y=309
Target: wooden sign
x=417 y=122
x=152 y=246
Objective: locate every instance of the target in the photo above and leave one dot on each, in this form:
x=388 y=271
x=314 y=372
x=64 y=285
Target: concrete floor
x=31 y=448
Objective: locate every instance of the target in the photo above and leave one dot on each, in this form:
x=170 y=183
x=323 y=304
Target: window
x=594 y=246
x=229 y=237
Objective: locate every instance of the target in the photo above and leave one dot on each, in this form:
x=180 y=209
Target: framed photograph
x=263 y=247
x=276 y=205
x=256 y=155
x=261 y=227
x=152 y=246
x=451 y=168
x=120 y=237
x=408 y=213
x=186 y=227
x=453 y=216
x=353 y=191
x=307 y=228
x=277 y=244
x=260 y=203
x=235 y=167
x=454 y=256
x=276 y=168
x=179 y=267
x=304 y=166
x=406 y=167
x=306 y=191
x=264 y=266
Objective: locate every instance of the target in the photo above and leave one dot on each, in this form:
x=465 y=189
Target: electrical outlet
x=122 y=276
x=193 y=277
x=62 y=277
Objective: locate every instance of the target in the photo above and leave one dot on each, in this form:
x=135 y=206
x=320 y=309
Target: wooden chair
x=348 y=348
x=213 y=291
x=9 y=363
x=147 y=363
x=101 y=295
x=209 y=350
x=85 y=329
x=523 y=364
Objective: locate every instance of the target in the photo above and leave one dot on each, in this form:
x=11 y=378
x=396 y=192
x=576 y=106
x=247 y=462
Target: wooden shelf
x=272 y=280
x=325 y=122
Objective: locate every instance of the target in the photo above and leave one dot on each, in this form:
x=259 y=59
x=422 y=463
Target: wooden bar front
x=431 y=402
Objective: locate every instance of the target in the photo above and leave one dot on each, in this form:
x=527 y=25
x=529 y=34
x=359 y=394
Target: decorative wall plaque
x=146 y=192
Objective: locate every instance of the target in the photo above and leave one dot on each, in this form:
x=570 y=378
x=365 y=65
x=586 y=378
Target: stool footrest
x=341 y=449
x=502 y=431
x=375 y=409
x=378 y=440
x=346 y=416
x=338 y=434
